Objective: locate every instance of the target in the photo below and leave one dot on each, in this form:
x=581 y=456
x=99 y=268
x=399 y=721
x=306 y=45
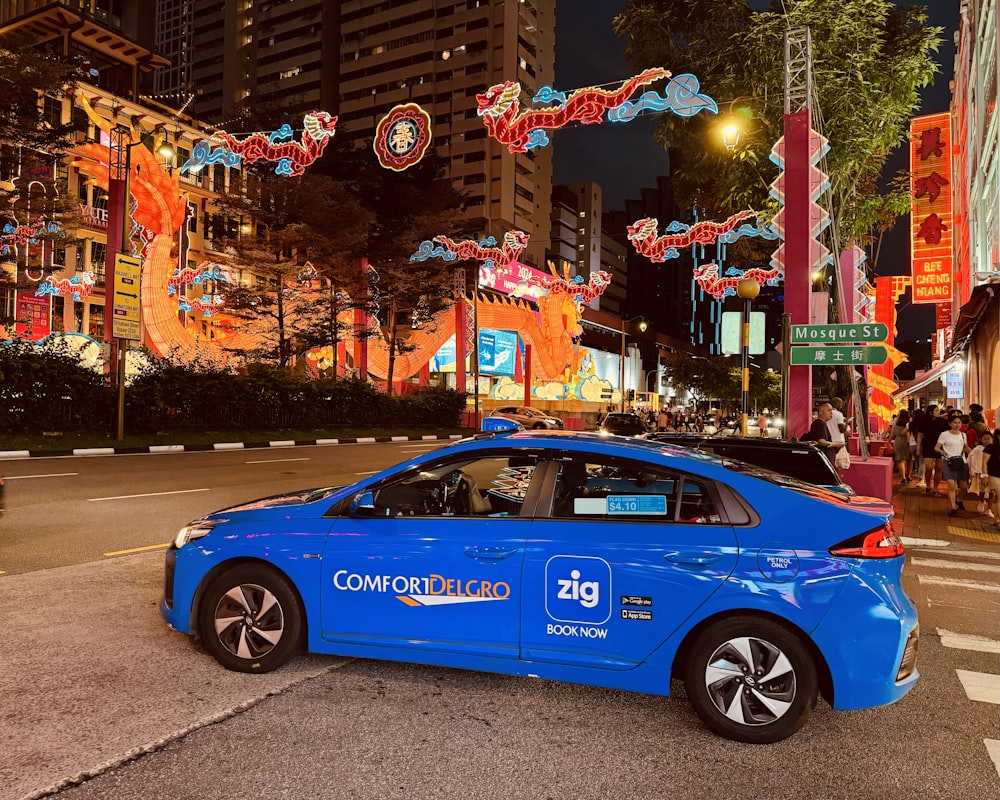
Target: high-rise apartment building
x=360 y=58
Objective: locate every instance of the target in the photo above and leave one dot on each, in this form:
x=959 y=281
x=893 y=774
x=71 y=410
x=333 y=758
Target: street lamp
x=748 y=289
x=642 y=327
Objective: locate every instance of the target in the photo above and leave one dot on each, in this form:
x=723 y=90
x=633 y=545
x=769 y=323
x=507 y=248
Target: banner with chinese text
x=931 y=208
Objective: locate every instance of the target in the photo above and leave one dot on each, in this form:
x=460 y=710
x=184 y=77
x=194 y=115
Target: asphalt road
x=99 y=700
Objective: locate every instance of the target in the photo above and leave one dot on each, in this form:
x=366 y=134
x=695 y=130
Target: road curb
x=13 y=455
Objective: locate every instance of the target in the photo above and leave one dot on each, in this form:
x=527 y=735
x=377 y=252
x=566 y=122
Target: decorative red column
x=361 y=322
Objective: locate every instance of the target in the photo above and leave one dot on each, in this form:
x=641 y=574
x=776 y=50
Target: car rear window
x=784 y=480
x=805 y=464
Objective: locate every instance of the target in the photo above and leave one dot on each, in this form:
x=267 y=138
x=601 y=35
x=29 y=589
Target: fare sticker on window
x=652 y=504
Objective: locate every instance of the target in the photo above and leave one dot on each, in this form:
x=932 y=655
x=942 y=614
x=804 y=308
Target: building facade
x=975 y=340
x=360 y=58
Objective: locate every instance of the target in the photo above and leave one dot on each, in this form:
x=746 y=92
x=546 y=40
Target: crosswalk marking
x=993 y=748
x=970 y=553
x=960 y=583
x=941 y=563
x=913 y=541
x=980 y=686
x=966 y=641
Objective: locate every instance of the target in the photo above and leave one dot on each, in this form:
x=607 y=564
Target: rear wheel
x=250 y=619
x=751 y=680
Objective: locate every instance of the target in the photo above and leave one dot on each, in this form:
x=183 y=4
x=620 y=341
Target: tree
x=869 y=59
x=706 y=379
x=295 y=235
x=409 y=207
x=31 y=142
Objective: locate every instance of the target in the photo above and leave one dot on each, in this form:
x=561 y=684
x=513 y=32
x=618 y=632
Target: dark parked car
x=805 y=461
x=622 y=424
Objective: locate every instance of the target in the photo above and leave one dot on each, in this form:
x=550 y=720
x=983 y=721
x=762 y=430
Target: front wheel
x=250 y=619
x=751 y=680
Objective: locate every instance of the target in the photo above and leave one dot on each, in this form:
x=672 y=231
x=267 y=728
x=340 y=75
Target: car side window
x=630 y=492
x=485 y=487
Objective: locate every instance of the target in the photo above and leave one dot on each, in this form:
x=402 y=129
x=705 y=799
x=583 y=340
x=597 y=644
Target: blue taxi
x=597 y=560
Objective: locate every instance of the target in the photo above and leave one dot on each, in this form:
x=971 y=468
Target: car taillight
x=879 y=543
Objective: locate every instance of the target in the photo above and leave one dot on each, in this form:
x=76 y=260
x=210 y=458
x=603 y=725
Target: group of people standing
x=930 y=446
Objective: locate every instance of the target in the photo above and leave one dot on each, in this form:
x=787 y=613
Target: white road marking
x=373 y=472
x=960 y=583
x=148 y=494
x=49 y=475
x=966 y=641
x=940 y=563
x=972 y=554
x=909 y=541
x=274 y=460
x=980 y=686
x=993 y=748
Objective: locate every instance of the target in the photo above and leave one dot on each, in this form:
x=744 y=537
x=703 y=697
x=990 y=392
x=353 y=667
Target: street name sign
x=126 y=304
x=843 y=354
x=840 y=334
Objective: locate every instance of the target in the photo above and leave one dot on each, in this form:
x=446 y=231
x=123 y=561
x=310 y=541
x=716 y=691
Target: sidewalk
x=925 y=516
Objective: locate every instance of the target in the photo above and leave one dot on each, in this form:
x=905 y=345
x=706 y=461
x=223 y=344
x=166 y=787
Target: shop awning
x=932 y=375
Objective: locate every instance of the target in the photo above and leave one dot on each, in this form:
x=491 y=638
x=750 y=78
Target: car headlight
x=195 y=530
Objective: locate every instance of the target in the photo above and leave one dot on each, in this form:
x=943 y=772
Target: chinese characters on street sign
x=840 y=354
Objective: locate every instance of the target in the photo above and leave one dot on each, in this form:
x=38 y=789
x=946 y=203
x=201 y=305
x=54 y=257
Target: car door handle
x=695 y=557
x=490 y=553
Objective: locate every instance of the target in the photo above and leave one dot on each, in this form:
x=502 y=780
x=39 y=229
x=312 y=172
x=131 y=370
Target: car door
x=628 y=553
x=435 y=561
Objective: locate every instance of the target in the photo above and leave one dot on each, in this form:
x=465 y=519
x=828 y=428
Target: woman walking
x=901 y=452
x=953 y=447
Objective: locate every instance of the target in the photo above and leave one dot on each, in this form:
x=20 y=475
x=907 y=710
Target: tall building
x=360 y=58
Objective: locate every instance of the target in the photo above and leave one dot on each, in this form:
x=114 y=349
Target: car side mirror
x=363 y=503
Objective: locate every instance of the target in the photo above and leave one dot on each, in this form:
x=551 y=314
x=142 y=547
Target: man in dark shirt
x=819 y=431
x=927 y=437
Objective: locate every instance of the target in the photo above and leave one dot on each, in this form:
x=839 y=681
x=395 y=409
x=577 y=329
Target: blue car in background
x=597 y=560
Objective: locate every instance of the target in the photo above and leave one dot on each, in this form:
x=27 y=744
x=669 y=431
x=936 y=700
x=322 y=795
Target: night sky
x=624 y=158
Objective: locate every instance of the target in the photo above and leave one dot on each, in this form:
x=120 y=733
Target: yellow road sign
x=126 y=304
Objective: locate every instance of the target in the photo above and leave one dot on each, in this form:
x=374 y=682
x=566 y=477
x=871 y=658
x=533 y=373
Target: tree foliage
x=408 y=207
x=870 y=57
x=296 y=235
x=31 y=144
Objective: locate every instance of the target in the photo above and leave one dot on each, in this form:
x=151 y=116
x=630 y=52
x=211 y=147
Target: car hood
x=286 y=503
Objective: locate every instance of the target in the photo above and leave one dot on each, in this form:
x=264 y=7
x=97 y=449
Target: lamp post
x=748 y=289
x=642 y=327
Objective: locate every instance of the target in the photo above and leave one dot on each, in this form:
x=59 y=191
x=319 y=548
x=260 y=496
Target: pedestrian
x=953 y=447
x=838 y=427
x=933 y=426
x=901 y=453
x=819 y=431
x=661 y=421
x=979 y=481
x=916 y=420
x=762 y=425
x=991 y=466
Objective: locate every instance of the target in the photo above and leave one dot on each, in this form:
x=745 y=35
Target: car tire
x=250 y=619
x=538 y=426
x=751 y=680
